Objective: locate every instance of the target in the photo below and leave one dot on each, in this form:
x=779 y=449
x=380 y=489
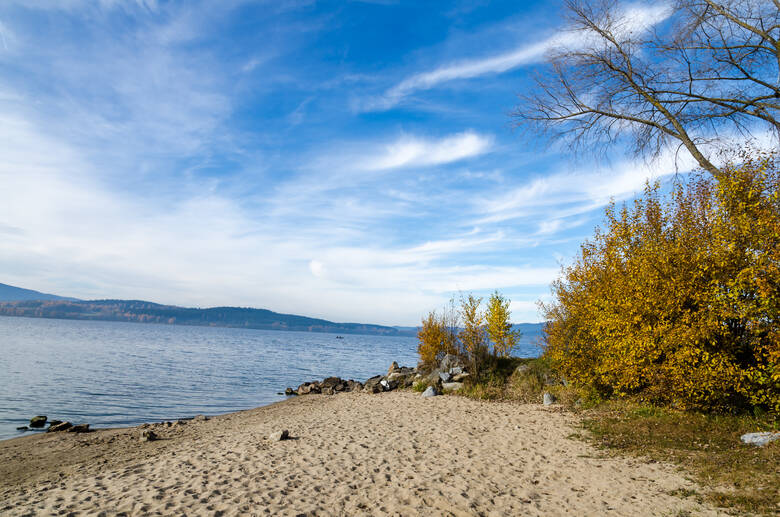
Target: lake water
x=112 y=374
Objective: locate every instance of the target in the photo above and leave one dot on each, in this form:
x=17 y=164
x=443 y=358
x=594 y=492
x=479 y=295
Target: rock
x=23 y=428
x=81 y=428
x=393 y=367
x=200 y=418
x=430 y=391
x=452 y=386
x=37 y=422
x=456 y=370
x=54 y=422
x=63 y=426
x=373 y=385
x=147 y=435
x=330 y=382
x=328 y=391
x=290 y=392
x=278 y=436
x=460 y=377
x=451 y=361
x=445 y=376
x=760 y=439
x=548 y=399
x=522 y=369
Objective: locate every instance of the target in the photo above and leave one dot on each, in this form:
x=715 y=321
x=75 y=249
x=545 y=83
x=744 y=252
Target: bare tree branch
x=711 y=68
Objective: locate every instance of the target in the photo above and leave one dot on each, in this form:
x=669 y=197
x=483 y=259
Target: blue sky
x=349 y=160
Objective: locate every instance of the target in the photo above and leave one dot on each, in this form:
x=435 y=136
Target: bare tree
x=707 y=70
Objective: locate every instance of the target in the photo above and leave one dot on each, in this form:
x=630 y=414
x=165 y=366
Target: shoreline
x=353 y=453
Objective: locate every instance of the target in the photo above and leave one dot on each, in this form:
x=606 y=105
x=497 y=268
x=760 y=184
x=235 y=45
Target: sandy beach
x=349 y=454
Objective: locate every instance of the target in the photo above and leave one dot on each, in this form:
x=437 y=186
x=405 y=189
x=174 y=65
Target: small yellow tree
x=499 y=328
x=436 y=338
x=472 y=336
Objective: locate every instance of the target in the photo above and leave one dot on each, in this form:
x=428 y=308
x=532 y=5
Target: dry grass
x=743 y=478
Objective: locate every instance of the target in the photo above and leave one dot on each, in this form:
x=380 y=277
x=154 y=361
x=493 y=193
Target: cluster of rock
x=448 y=375
x=40 y=421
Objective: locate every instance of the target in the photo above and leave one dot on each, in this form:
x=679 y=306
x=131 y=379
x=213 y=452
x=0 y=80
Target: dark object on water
x=38 y=421
x=339 y=337
x=23 y=428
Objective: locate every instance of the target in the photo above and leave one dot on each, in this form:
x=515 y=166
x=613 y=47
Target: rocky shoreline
x=448 y=375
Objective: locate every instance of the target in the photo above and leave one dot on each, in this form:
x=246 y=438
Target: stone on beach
x=200 y=418
x=548 y=399
x=452 y=386
x=63 y=426
x=38 y=421
x=147 y=435
x=760 y=439
x=81 y=428
x=278 y=436
x=430 y=391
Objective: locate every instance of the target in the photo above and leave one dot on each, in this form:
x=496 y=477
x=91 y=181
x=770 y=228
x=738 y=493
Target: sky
x=355 y=161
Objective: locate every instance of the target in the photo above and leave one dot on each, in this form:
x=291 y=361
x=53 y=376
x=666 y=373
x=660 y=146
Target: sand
x=350 y=454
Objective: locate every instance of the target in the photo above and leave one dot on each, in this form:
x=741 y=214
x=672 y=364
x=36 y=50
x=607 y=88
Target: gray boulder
x=37 y=422
x=278 y=436
x=760 y=439
x=81 y=428
x=431 y=391
x=522 y=369
x=548 y=399
x=327 y=390
x=373 y=385
x=451 y=361
x=456 y=370
x=460 y=377
x=445 y=376
x=452 y=386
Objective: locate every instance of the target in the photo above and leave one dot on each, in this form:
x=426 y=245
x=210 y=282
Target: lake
x=112 y=374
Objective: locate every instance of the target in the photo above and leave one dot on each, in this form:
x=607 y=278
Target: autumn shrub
x=677 y=299
x=436 y=338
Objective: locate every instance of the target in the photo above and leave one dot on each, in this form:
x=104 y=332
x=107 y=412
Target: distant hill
x=148 y=312
x=9 y=293
x=15 y=301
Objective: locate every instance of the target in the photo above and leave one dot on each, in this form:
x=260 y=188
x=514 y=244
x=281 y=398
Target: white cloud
x=409 y=151
x=634 y=18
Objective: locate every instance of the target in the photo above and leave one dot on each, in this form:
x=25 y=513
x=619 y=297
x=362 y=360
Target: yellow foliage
x=499 y=328
x=678 y=299
x=436 y=338
x=472 y=336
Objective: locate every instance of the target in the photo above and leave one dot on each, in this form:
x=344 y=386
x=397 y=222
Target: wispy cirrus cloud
x=413 y=151
x=634 y=18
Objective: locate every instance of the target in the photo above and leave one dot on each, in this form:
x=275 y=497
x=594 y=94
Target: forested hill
x=11 y=293
x=148 y=312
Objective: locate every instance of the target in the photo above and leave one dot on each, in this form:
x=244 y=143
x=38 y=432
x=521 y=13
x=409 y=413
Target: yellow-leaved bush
x=677 y=299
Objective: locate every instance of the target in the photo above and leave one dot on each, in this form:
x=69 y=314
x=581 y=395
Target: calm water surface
x=117 y=374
